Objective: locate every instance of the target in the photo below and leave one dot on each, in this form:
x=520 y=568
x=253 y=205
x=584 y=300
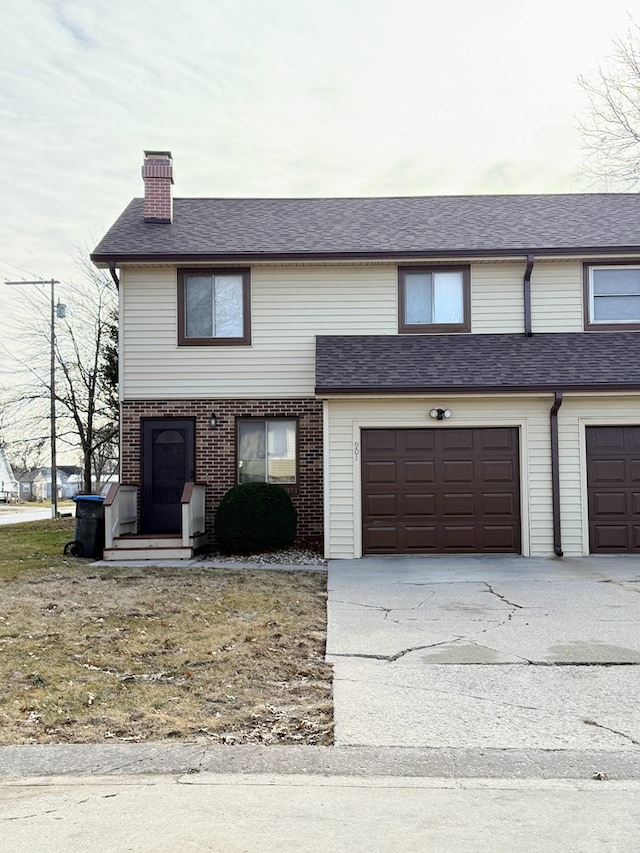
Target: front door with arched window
x=168 y=462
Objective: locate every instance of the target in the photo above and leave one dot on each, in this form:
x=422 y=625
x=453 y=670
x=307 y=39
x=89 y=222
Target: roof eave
x=546 y=388
x=120 y=258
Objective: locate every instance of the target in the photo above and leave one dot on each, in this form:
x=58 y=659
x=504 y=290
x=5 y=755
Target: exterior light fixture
x=213 y=420
x=440 y=414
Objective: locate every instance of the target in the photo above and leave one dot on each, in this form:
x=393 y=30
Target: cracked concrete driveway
x=486 y=652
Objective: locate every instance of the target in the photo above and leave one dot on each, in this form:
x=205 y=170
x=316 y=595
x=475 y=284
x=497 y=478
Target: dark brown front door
x=440 y=490
x=613 y=484
x=168 y=463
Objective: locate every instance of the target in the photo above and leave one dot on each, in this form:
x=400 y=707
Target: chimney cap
x=165 y=155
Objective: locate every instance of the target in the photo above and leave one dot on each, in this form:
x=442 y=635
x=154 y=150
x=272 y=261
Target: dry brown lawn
x=91 y=654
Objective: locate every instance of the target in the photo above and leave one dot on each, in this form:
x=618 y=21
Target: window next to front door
x=213 y=307
x=267 y=451
x=612 y=296
x=434 y=299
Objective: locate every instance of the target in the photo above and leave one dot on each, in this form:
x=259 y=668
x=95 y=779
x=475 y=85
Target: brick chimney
x=157 y=173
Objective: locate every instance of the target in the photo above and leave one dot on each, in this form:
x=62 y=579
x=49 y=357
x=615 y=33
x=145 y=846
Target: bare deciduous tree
x=612 y=129
x=85 y=373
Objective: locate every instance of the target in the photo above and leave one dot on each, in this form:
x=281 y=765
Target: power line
x=22 y=269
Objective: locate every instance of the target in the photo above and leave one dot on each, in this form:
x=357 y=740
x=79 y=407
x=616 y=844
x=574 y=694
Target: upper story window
x=436 y=299
x=612 y=296
x=267 y=450
x=213 y=307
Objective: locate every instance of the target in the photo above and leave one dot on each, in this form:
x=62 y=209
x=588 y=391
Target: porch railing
x=120 y=512
x=193 y=509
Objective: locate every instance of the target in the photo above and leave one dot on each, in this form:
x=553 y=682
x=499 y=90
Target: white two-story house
x=424 y=375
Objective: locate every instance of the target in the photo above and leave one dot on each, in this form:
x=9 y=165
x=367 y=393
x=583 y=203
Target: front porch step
x=148 y=554
x=138 y=546
x=141 y=540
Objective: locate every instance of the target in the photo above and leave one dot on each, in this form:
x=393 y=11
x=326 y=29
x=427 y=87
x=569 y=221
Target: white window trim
x=591 y=307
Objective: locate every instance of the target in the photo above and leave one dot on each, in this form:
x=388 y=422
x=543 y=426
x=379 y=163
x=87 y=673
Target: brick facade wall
x=215 y=449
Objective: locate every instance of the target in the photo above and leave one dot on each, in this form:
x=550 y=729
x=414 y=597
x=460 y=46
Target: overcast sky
x=281 y=98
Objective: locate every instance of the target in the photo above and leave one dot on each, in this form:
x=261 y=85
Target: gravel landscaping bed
x=286 y=557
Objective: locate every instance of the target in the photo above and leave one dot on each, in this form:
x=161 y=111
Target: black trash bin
x=89 y=532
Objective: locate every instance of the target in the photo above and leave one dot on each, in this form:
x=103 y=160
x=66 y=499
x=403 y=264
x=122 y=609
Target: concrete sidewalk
x=303 y=814
x=486 y=653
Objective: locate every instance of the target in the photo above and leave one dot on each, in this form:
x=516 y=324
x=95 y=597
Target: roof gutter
x=532 y=388
x=526 y=295
x=114 y=274
x=555 y=475
x=386 y=256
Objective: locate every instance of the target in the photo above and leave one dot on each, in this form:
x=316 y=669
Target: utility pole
x=54 y=467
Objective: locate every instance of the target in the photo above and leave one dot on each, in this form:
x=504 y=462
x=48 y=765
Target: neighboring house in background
x=423 y=375
x=70 y=478
x=35 y=483
x=25 y=478
x=42 y=484
x=9 y=490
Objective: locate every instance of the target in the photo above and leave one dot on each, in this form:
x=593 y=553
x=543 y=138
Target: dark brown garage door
x=613 y=480
x=440 y=490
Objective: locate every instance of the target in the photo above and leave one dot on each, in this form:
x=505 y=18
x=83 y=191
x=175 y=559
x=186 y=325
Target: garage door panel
x=457 y=472
x=458 y=504
x=496 y=439
x=613 y=474
x=609 y=503
x=498 y=471
x=499 y=503
x=381 y=472
x=382 y=540
x=606 y=438
x=455 y=439
x=608 y=471
x=419 y=538
x=456 y=491
x=459 y=537
x=498 y=537
x=611 y=537
x=380 y=439
x=422 y=505
x=381 y=506
x=417 y=439
x=418 y=472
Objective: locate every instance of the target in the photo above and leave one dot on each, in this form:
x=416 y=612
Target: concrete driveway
x=486 y=652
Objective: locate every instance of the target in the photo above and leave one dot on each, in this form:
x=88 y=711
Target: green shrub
x=255 y=517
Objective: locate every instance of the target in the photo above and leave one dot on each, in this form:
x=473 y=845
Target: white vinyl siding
x=496 y=298
x=557 y=297
x=289 y=307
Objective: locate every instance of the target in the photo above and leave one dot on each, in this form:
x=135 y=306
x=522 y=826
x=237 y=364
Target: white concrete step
x=144 y=553
x=137 y=541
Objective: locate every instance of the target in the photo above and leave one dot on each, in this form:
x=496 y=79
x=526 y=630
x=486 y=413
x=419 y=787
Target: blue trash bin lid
x=95 y=498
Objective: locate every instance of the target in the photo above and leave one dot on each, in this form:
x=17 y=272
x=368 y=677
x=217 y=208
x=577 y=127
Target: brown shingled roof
x=210 y=229
x=574 y=361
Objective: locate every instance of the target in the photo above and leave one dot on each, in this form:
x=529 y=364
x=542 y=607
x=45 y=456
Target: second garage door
x=613 y=477
x=441 y=491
